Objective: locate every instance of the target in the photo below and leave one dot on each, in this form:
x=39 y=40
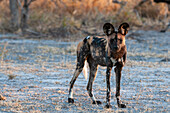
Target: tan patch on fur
x=90 y=40
x=79 y=46
x=108 y=51
x=91 y=49
x=100 y=36
x=107 y=47
x=123 y=41
x=97 y=52
x=94 y=72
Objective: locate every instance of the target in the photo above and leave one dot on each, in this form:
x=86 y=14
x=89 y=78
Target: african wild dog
x=108 y=51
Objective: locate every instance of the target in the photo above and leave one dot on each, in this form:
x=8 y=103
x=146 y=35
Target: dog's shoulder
x=95 y=40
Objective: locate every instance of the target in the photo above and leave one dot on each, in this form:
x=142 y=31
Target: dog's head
x=115 y=39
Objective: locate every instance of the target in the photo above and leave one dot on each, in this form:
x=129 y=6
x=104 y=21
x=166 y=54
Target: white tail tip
x=85 y=69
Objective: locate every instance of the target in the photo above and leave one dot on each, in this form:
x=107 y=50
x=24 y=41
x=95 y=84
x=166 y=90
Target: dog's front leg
x=118 y=70
x=108 y=74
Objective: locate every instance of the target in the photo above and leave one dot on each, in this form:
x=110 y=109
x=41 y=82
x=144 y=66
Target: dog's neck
x=116 y=55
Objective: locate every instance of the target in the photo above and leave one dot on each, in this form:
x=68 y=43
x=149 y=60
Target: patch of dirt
x=35 y=76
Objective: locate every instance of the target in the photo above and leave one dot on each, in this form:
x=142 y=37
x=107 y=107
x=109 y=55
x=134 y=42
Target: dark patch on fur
x=99 y=51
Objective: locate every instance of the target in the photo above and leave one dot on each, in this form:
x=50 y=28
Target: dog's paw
x=97 y=102
x=108 y=106
x=70 y=100
x=122 y=106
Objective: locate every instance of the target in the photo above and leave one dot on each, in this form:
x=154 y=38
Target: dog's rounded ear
x=123 y=28
x=108 y=29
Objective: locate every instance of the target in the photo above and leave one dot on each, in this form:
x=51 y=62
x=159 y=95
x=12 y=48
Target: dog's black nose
x=116 y=47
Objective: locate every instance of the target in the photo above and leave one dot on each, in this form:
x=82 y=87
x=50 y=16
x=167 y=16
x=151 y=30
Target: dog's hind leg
x=93 y=72
x=76 y=74
x=81 y=57
x=79 y=68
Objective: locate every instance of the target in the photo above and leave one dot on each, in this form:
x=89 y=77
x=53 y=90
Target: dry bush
x=153 y=15
x=63 y=18
x=152 y=10
x=127 y=14
x=4 y=16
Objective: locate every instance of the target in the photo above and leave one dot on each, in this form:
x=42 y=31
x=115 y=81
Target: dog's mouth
x=114 y=48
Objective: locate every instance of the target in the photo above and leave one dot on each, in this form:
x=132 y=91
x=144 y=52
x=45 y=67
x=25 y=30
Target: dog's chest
x=98 y=52
x=98 y=47
x=113 y=61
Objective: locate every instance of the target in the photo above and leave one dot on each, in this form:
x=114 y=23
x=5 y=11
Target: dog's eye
x=112 y=40
x=120 y=40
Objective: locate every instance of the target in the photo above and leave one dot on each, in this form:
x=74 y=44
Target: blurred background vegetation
x=74 y=18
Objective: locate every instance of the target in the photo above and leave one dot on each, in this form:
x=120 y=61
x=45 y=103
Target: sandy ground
x=35 y=76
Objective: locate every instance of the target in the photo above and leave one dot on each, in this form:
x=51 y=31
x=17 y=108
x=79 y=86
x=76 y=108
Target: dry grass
x=10 y=77
x=3 y=52
x=65 y=18
x=2 y=97
x=154 y=11
x=4 y=16
x=70 y=50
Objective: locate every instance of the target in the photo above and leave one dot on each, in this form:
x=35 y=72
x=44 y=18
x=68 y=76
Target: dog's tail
x=85 y=69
